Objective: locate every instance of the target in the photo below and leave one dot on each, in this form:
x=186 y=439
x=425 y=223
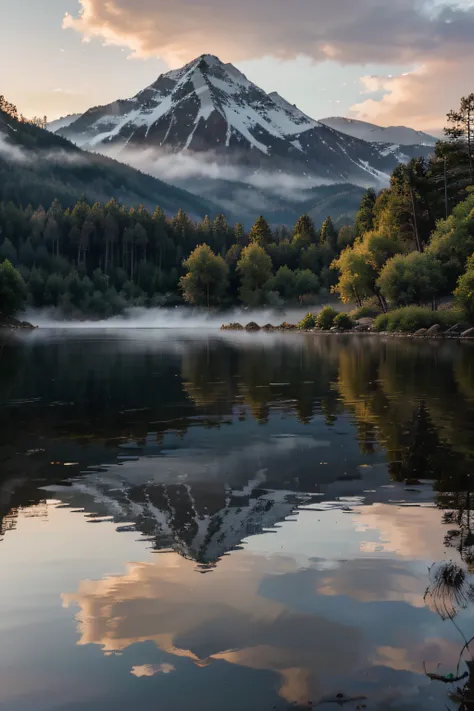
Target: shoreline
x=9 y=323
x=422 y=335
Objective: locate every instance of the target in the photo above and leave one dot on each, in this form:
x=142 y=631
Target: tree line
x=415 y=240
x=410 y=244
x=11 y=110
x=95 y=259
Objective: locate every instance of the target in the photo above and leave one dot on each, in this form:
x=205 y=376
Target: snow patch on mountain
x=211 y=112
x=62 y=122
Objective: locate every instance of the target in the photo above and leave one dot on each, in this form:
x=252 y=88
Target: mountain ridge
x=210 y=110
x=401 y=135
x=37 y=166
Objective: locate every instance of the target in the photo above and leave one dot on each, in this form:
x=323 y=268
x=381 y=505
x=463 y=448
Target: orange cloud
x=420 y=98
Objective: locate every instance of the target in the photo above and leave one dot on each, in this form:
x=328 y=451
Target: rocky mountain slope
x=400 y=135
x=210 y=111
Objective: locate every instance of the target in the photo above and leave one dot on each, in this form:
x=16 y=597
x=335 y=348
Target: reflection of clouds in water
x=151 y=603
x=242 y=615
x=374 y=580
x=151 y=670
x=409 y=531
x=432 y=652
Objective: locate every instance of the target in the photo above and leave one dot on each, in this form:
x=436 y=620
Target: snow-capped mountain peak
x=209 y=108
x=177 y=108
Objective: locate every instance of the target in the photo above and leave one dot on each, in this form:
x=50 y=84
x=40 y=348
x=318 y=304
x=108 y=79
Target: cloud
x=355 y=32
x=433 y=38
x=17 y=154
x=420 y=98
x=11 y=153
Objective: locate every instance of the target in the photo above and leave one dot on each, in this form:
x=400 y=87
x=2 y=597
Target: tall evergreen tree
x=328 y=234
x=364 y=221
x=261 y=233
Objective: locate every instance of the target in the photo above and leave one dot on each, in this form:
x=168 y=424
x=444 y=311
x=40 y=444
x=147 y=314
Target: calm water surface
x=230 y=524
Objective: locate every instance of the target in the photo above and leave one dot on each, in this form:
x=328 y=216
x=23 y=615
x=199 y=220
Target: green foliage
x=308 y=322
x=345 y=237
x=369 y=310
x=293 y=284
x=206 y=280
x=413 y=278
x=364 y=221
x=255 y=268
x=410 y=319
x=344 y=322
x=12 y=289
x=284 y=282
x=328 y=235
x=464 y=293
x=304 y=232
x=306 y=283
x=452 y=242
x=460 y=130
x=260 y=232
x=325 y=318
x=58 y=169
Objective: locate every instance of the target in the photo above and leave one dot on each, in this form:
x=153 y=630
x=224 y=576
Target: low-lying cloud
x=249 y=189
x=13 y=153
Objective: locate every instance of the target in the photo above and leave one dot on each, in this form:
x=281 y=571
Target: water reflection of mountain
x=200 y=443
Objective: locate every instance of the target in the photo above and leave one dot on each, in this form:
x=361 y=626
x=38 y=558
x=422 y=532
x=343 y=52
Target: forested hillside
x=415 y=240
x=37 y=167
x=410 y=245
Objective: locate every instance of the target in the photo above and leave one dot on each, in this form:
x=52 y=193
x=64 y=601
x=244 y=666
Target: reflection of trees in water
x=406 y=399
x=287 y=378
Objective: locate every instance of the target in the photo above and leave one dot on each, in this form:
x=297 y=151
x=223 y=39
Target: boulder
x=457 y=328
x=434 y=330
x=252 y=326
x=269 y=327
x=468 y=334
x=366 y=322
x=421 y=332
x=288 y=326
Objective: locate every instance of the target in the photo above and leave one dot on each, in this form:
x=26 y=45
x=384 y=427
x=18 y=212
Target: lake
x=232 y=522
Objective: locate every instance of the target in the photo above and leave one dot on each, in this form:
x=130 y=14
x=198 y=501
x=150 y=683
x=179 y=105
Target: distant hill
x=37 y=166
x=398 y=135
x=62 y=122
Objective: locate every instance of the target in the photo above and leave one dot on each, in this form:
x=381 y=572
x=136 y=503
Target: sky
x=390 y=62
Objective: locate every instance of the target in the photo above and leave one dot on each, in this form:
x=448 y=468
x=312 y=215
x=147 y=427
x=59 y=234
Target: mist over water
x=179 y=317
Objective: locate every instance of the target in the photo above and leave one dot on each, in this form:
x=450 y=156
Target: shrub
x=366 y=311
x=344 y=322
x=325 y=318
x=308 y=322
x=411 y=318
x=464 y=293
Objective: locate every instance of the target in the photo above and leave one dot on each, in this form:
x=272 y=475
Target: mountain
x=400 y=135
x=62 y=122
x=37 y=166
x=208 y=111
